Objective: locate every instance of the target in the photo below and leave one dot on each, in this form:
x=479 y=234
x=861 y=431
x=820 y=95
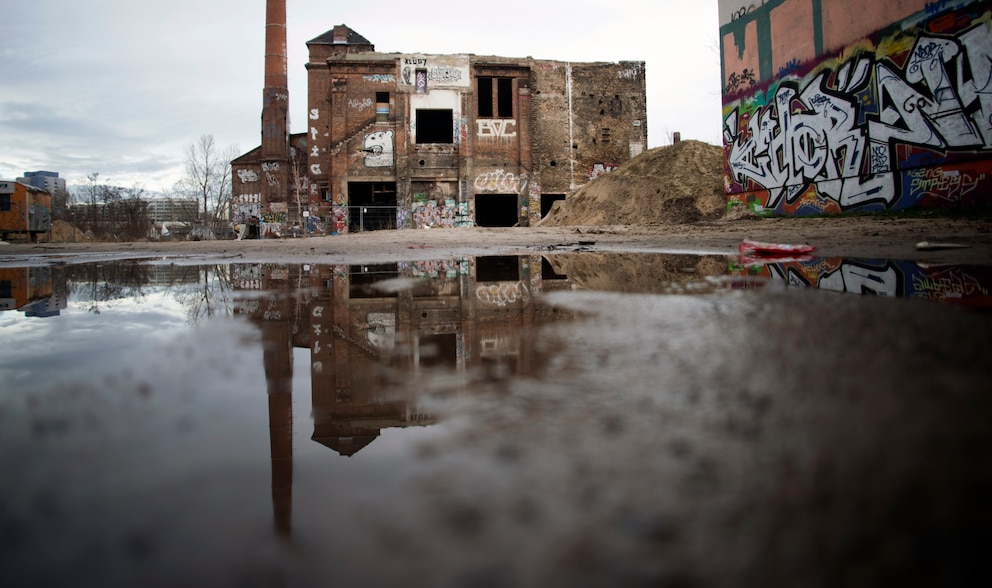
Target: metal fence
x=371 y=218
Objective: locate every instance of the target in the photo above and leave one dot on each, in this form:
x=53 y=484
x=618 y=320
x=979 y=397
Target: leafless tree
x=207 y=178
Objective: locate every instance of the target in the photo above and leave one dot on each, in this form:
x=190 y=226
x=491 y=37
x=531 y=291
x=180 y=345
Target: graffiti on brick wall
x=853 y=136
x=270 y=169
x=500 y=181
x=243 y=212
x=502 y=294
x=247 y=176
x=746 y=9
x=601 y=169
x=497 y=128
x=960 y=284
x=378 y=149
x=361 y=105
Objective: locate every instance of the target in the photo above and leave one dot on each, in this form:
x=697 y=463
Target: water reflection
x=960 y=284
x=386 y=349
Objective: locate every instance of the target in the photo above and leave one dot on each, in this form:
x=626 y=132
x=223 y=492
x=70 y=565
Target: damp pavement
x=553 y=419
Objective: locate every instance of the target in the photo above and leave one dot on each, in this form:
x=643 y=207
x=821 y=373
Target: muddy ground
x=886 y=237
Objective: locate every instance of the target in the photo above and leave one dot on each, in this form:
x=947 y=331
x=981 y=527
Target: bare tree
x=207 y=178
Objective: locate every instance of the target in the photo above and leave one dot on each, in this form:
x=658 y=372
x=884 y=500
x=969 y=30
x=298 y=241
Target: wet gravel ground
x=770 y=437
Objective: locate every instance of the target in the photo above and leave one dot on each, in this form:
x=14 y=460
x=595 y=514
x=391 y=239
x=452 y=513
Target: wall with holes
x=834 y=106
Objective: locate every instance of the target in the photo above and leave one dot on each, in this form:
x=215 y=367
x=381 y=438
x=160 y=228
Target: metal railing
x=371 y=218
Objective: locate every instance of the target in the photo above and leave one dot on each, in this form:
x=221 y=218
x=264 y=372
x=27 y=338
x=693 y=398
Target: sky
x=121 y=87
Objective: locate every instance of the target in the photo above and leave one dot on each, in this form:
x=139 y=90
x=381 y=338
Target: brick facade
x=415 y=140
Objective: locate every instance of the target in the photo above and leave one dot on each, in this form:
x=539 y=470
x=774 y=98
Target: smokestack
x=275 y=95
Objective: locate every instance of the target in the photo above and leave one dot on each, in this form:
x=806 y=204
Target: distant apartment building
x=46 y=180
x=410 y=140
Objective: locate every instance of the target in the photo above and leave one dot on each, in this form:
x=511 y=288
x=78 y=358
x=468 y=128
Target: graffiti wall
x=831 y=106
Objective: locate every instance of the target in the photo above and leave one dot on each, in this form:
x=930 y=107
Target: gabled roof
x=340 y=35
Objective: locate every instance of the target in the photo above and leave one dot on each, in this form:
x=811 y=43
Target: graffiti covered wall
x=841 y=106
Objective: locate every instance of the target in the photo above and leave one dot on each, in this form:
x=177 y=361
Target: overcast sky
x=119 y=87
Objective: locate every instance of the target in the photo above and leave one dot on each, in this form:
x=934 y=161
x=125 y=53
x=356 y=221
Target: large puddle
x=565 y=419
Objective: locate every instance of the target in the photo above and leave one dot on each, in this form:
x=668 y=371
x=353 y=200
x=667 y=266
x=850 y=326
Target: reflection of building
x=36 y=291
x=370 y=339
x=415 y=140
x=372 y=330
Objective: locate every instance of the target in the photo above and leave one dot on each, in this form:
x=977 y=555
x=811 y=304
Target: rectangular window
x=435 y=126
x=498 y=104
x=485 y=97
x=382 y=107
x=505 y=97
x=5 y=202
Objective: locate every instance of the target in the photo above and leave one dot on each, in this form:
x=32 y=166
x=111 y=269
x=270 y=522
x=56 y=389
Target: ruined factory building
x=399 y=140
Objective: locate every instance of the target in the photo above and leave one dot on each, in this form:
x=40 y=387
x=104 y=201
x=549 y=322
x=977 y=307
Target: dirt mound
x=63 y=232
x=675 y=184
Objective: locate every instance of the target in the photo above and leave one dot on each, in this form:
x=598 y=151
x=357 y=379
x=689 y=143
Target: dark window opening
x=435 y=126
x=496 y=210
x=485 y=97
x=363 y=278
x=497 y=104
x=502 y=268
x=371 y=206
x=505 y=98
x=438 y=350
x=606 y=136
x=547 y=201
x=4 y=201
x=548 y=271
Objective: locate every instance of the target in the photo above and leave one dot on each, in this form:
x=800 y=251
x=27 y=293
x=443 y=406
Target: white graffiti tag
x=502 y=294
x=502 y=182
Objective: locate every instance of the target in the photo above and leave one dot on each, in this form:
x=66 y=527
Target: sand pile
x=62 y=232
x=680 y=183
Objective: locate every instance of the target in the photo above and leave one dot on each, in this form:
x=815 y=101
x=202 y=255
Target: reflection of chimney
x=275 y=103
x=278 y=357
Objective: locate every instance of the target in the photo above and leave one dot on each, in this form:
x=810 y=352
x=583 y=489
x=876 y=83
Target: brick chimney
x=275 y=106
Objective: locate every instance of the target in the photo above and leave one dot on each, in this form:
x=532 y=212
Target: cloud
x=120 y=87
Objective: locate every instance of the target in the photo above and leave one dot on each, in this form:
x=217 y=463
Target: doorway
x=496 y=210
x=371 y=206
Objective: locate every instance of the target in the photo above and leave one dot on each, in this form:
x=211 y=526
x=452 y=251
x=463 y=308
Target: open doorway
x=496 y=210
x=547 y=201
x=371 y=206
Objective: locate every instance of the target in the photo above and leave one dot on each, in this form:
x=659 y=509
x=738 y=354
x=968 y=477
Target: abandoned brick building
x=413 y=140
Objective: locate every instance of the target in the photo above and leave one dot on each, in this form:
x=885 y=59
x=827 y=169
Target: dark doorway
x=439 y=350
x=371 y=206
x=502 y=268
x=547 y=201
x=496 y=210
x=363 y=279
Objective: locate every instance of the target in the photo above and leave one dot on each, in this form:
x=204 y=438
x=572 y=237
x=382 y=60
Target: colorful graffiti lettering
x=961 y=284
x=907 y=123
